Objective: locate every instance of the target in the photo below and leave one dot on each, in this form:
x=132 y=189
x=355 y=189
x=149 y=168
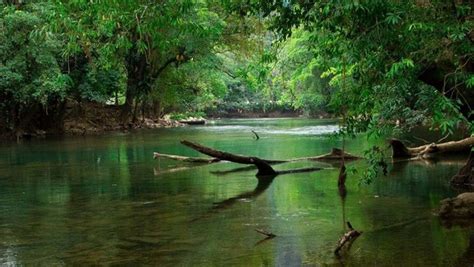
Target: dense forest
x=379 y=65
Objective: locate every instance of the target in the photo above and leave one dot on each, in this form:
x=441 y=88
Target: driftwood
x=266 y=233
x=465 y=176
x=263 y=165
x=430 y=150
x=256 y=135
x=226 y=155
x=348 y=238
x=185 y=159
x=335 y=154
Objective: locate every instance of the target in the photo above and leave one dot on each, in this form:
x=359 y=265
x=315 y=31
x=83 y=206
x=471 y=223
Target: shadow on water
x=263 y=183
x=234 y=170
x=467 y=258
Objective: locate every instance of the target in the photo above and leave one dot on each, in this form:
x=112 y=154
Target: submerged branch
x=266 y=233
x=347 y=238
x=185 y=159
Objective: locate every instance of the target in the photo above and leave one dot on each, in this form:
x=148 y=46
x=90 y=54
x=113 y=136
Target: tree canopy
x=380 y=65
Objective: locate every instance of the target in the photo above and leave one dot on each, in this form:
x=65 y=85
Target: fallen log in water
x=263 y=165
x=401 y=151
x=186 y=159
x=335 y=154
x=347 y=238
x=266 y=233
x=226 y=155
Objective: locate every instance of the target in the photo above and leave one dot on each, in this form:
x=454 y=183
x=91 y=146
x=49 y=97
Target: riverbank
x=95 y=118
x=88 y=119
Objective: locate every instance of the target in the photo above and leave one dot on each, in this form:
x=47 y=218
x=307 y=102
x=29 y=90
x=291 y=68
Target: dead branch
x=256 y=135
x=185 y=159
x=263 y=232
x=348 y=238
x=263 y=165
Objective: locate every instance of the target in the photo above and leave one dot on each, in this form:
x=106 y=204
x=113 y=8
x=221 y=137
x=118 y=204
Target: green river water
x=104 y=200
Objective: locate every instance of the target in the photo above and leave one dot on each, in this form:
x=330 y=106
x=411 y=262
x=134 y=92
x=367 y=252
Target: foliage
x=376 y=163
x=383 y=66
x=187 y=115
x=383 y=58
x=30 y=74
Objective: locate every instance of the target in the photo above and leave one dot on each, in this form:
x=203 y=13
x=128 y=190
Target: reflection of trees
x=399 y=207
x=467 y=258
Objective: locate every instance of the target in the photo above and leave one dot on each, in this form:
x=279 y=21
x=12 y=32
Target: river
x=104 y=200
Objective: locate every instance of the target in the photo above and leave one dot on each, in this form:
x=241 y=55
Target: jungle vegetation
x=380 y=65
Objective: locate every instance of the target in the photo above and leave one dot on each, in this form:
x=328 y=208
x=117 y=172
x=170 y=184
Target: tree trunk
x=401 y=151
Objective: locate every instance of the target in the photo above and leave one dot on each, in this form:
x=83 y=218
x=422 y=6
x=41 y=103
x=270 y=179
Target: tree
x=31 y=83
x=146 y=37
x=390 y=63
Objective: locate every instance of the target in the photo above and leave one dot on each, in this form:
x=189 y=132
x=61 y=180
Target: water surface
x=104 y=200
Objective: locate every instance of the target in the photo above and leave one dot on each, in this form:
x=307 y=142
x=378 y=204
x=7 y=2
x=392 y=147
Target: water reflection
x=59 y=205
x=263 y=183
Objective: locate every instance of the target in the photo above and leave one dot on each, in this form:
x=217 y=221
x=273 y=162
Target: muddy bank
x=97 y=118
x=88 y=119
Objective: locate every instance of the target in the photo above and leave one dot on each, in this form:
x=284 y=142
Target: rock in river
x=461 y=206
